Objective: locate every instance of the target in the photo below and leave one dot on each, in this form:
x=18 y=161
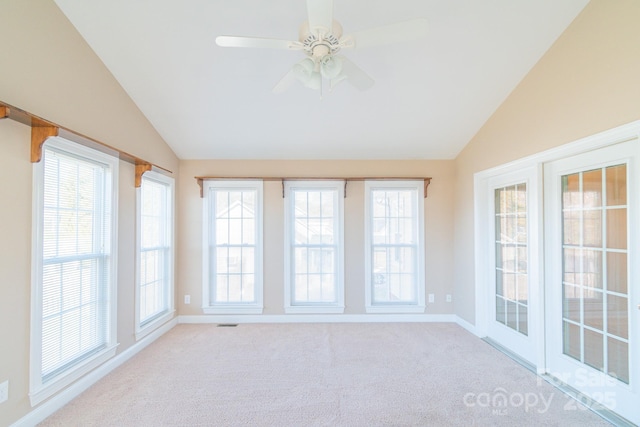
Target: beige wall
x=589 y=81
x=47 y=69
x=438 y=225
x=15 y=266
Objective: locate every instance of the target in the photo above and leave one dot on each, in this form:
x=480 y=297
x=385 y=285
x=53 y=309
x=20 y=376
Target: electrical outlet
x=448 y=297
x=4 y=391
x=187 y=299
x=432 y=297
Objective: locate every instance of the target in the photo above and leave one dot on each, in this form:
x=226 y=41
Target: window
x=233 y=247
x=394 y=246
x=73 y=291
x=511 y=257
x=313 y=247
x=154 y=290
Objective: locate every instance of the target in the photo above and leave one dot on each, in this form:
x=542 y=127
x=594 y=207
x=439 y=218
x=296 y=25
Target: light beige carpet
x=392 y=374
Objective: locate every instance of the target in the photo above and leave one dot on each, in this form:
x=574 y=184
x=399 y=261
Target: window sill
x=155 y=324
x=232 y=309
x=44 y=391
x=314 y=309
x=395 y=308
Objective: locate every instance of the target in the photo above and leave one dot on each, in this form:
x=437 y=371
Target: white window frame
x=291 y=306
x=143 y=329
x=208 y=227
x=39 y=391
x=418 y=305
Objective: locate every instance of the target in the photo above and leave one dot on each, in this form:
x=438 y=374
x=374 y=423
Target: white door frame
x=483 y=284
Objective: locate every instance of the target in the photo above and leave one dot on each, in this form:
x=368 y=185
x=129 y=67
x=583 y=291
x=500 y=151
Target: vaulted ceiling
x=208 y=102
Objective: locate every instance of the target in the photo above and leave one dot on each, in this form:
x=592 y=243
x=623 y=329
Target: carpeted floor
x=369 y=374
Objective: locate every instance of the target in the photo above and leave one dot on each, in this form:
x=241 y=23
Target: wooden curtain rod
x=42 y=129
x=201 y=179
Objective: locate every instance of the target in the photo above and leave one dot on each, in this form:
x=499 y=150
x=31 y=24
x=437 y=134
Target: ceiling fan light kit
x=321 y=39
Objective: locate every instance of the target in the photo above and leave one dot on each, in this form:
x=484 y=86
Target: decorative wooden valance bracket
x=141 y=168
x=4 y=112
x=427 y=181
x=201 y=184
x=40 y=132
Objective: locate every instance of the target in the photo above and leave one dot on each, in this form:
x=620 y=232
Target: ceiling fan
x=321 y=39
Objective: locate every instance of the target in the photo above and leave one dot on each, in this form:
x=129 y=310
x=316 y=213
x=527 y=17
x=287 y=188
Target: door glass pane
x=511 y=256
x=571 y=302
x=595 y=300
x=618 y=357
x=512 y=320
x=593 y=306
x=617 y=228
x=617 y=316
x=593 y=349
x=592 y=188
x=592 y=268
x=617 y=272
x=523 y=325
x=616 y=185
x=592 y=228
x=500 y=310
x=571 y=335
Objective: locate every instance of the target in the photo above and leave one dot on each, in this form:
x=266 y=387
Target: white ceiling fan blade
x=320 y=14
x=285 y=83
x=257 y=42
x=387 y=34
x=355 y=75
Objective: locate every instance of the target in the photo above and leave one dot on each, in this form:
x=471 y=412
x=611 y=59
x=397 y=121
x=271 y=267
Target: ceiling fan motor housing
x=319 y=42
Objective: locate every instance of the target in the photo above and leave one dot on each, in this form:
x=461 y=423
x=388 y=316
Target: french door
x=513 y=268
x=592 y=268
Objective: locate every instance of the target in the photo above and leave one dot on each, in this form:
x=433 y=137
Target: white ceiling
x=430 y=97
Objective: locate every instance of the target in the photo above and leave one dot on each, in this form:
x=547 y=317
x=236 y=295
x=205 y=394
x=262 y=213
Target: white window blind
x=155 y=264
x=73 y=309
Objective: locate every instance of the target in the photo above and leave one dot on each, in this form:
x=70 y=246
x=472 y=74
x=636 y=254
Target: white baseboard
x=317 y=318
x=50 y=406
x=468 y=326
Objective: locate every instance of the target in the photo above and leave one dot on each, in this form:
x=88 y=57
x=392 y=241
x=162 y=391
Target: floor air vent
x=227 y=325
